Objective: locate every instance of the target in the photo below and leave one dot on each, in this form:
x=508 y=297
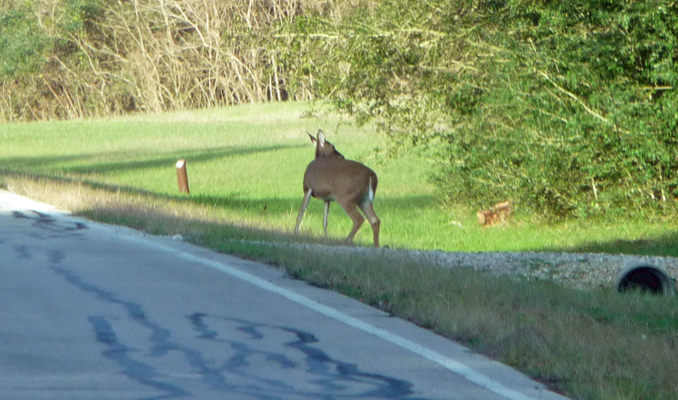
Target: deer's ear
x=321 y=138
x=313 y=139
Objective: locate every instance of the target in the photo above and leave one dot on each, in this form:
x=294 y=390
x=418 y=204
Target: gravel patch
x=577 y=270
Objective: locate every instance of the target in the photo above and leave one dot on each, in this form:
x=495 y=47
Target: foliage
x=21 y=48
x=81 y=58
x=566 y=108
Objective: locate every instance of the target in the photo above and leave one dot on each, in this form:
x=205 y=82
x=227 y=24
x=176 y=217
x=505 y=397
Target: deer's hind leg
x=352 y=210
x=368 y=209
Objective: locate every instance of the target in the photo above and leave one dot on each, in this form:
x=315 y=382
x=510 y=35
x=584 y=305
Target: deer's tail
x=371 y=188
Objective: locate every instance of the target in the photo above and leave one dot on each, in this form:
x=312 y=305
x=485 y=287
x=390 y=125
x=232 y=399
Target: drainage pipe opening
x=647 y=278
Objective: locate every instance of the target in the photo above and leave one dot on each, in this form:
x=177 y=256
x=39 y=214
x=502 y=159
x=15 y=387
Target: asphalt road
x=89 y=311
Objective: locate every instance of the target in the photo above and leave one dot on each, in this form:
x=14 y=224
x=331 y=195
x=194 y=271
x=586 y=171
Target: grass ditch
x=588 y=345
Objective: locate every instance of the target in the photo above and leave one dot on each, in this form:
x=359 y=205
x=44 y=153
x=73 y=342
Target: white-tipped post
x=182 y=177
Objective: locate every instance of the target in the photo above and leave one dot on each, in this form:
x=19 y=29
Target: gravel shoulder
x=576 y=270
x=584 y=271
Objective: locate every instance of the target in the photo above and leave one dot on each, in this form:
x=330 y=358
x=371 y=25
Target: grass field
x=245 y=167
x=247 y=163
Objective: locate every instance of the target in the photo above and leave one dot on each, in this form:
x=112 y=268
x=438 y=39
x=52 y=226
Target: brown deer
x=351 y=184
x=500 y=212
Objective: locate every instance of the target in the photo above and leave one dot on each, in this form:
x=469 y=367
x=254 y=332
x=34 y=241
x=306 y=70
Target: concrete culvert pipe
x=645 y=277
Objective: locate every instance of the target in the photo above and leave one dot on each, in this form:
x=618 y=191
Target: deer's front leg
x=327 y=211
x=304 y=204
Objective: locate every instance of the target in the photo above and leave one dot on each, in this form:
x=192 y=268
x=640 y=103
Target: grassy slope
x=240 y=161
x=245 y=169
x=247 y=163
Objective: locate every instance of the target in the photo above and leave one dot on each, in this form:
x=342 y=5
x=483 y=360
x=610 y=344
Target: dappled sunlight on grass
x=248 y=162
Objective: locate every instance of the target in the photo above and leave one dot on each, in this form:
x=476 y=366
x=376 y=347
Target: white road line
x=13 y=201
x=20 y=202
x=451 y=365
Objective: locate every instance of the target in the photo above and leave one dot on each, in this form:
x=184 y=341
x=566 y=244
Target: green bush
x=566 y=108
x=22 y=47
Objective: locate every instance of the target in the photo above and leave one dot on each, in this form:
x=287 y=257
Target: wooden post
x=182 y=177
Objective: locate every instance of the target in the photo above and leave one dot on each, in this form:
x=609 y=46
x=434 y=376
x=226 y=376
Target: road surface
x=90 y=311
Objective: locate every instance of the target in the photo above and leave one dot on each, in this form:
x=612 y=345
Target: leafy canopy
x=567 y=108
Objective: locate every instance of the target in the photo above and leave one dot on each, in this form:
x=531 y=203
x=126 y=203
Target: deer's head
x=323 y=148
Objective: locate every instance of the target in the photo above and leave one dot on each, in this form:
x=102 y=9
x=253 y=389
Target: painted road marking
x=456 y=367
x=447 y=363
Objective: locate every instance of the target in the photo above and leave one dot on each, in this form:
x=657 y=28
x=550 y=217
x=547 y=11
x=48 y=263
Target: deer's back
x=334 y=177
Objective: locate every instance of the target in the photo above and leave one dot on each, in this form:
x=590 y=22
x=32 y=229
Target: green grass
x=241 y=162
x=591 y=345
x=247 y=163
x=245 y=167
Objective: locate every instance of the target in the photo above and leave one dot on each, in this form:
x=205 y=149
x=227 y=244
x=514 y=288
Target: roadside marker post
x=182 y=177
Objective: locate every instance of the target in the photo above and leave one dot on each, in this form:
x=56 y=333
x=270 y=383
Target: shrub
x=567 y=108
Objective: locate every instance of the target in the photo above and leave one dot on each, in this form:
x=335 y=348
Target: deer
x=331 y=177
x=497 y=213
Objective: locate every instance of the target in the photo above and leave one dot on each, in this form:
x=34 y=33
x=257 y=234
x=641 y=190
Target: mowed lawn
x=246 y=163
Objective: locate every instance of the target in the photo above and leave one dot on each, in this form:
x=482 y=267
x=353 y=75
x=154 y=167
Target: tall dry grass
x=146 y=55
x=591 y=345
x=595 y=345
